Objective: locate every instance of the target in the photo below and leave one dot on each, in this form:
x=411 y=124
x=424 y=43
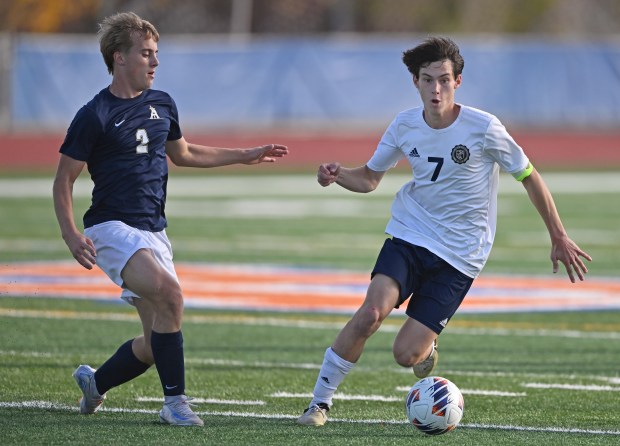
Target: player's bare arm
x=185 y=154
x=563 y=249
x=81 y=247
x=358 y=179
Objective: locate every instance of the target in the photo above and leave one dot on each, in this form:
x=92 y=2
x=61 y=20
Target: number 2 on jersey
x=143 y=137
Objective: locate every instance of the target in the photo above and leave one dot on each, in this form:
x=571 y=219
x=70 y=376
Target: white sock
x=333 y=371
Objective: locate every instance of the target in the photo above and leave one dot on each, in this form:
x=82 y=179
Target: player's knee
x=169 y=299
x=175 y=300
x=407 y=355
x=368 y=320
x=404 y=360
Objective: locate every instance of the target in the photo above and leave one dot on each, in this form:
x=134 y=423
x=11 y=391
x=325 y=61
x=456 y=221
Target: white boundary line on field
x=575 y=182
x=555 y=376
x=479 y=392
x=342 y=397
x=390 y=399
x=590 y=388
x=317 y=366
x=47 y=405
x=151 y=399
x=316 y=325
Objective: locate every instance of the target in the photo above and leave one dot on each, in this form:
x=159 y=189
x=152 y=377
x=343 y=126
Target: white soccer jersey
x=450 y=205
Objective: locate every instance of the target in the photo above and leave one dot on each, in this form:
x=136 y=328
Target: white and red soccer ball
x=434 y=405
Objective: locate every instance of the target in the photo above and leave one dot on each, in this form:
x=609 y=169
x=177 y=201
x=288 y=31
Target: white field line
x=590 y=387
x=253 y=208
x=291 y=196
x=541 y=332
x=27 y=354
x=149 y=399
x=305 y=324
x=497 y=393
x=381 y=398
x=613 y=380
x=69 y=315
x=306 y=185
x=554 y=376
x=46 y=405
x=341 y=397
x=536 y=242
x=539 y=429
x=253 y=364
x=308 y=324
x=479 y=392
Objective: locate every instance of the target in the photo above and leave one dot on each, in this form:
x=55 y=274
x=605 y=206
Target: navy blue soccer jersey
x=123 y=143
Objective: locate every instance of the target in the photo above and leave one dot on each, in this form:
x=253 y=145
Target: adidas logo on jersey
x=414 y=153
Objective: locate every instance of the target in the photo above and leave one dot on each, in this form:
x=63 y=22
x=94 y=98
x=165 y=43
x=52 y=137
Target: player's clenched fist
x=328 y=173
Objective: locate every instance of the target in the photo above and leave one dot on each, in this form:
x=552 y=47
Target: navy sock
x=123 y=366
x=169 y=360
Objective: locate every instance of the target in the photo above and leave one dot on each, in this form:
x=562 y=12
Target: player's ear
x=458 y=81
x=119 y=58
x=416 y=81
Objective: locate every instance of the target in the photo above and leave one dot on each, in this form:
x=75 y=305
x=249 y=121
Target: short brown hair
x=115 y=34
x=431 y=50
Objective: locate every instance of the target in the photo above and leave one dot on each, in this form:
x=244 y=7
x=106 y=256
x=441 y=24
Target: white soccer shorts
x=116 y=242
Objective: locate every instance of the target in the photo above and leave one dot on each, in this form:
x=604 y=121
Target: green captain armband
x=520 y=176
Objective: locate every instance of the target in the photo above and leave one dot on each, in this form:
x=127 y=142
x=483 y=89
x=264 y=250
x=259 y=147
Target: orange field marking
x=298 y=289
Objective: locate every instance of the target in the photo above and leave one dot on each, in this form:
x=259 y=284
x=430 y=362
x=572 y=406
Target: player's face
x=437 y=85
x=141 y=62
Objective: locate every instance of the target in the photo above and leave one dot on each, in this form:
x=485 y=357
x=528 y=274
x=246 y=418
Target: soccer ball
x=434 y=405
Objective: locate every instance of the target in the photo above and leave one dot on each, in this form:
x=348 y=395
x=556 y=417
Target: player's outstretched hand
x=567 y=252
x=83 y=250
x=266 y=154
x=328 y=173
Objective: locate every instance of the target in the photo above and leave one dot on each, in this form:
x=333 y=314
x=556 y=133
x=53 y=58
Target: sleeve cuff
x=523 y=174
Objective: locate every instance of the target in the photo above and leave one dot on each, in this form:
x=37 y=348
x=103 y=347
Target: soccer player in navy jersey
x=443 y=220
x=124 y=136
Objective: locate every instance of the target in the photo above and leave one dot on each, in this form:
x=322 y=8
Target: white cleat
x=315 y=415
x=424 y=368
x=179 y=413
x=91 y=401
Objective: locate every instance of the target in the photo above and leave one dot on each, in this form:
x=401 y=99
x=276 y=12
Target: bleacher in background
x=323 y=82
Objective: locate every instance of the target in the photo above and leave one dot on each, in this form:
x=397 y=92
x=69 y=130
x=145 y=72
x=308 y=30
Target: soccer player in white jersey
x=443 y=221
x=125 y=136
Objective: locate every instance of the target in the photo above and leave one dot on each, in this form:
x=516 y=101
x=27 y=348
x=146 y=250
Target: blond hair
x=115 y=34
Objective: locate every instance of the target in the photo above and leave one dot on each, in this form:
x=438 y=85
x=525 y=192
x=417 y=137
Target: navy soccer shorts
x=435 y=288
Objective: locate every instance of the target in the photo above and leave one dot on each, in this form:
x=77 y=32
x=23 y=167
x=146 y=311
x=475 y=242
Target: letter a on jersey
x=154 y=114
